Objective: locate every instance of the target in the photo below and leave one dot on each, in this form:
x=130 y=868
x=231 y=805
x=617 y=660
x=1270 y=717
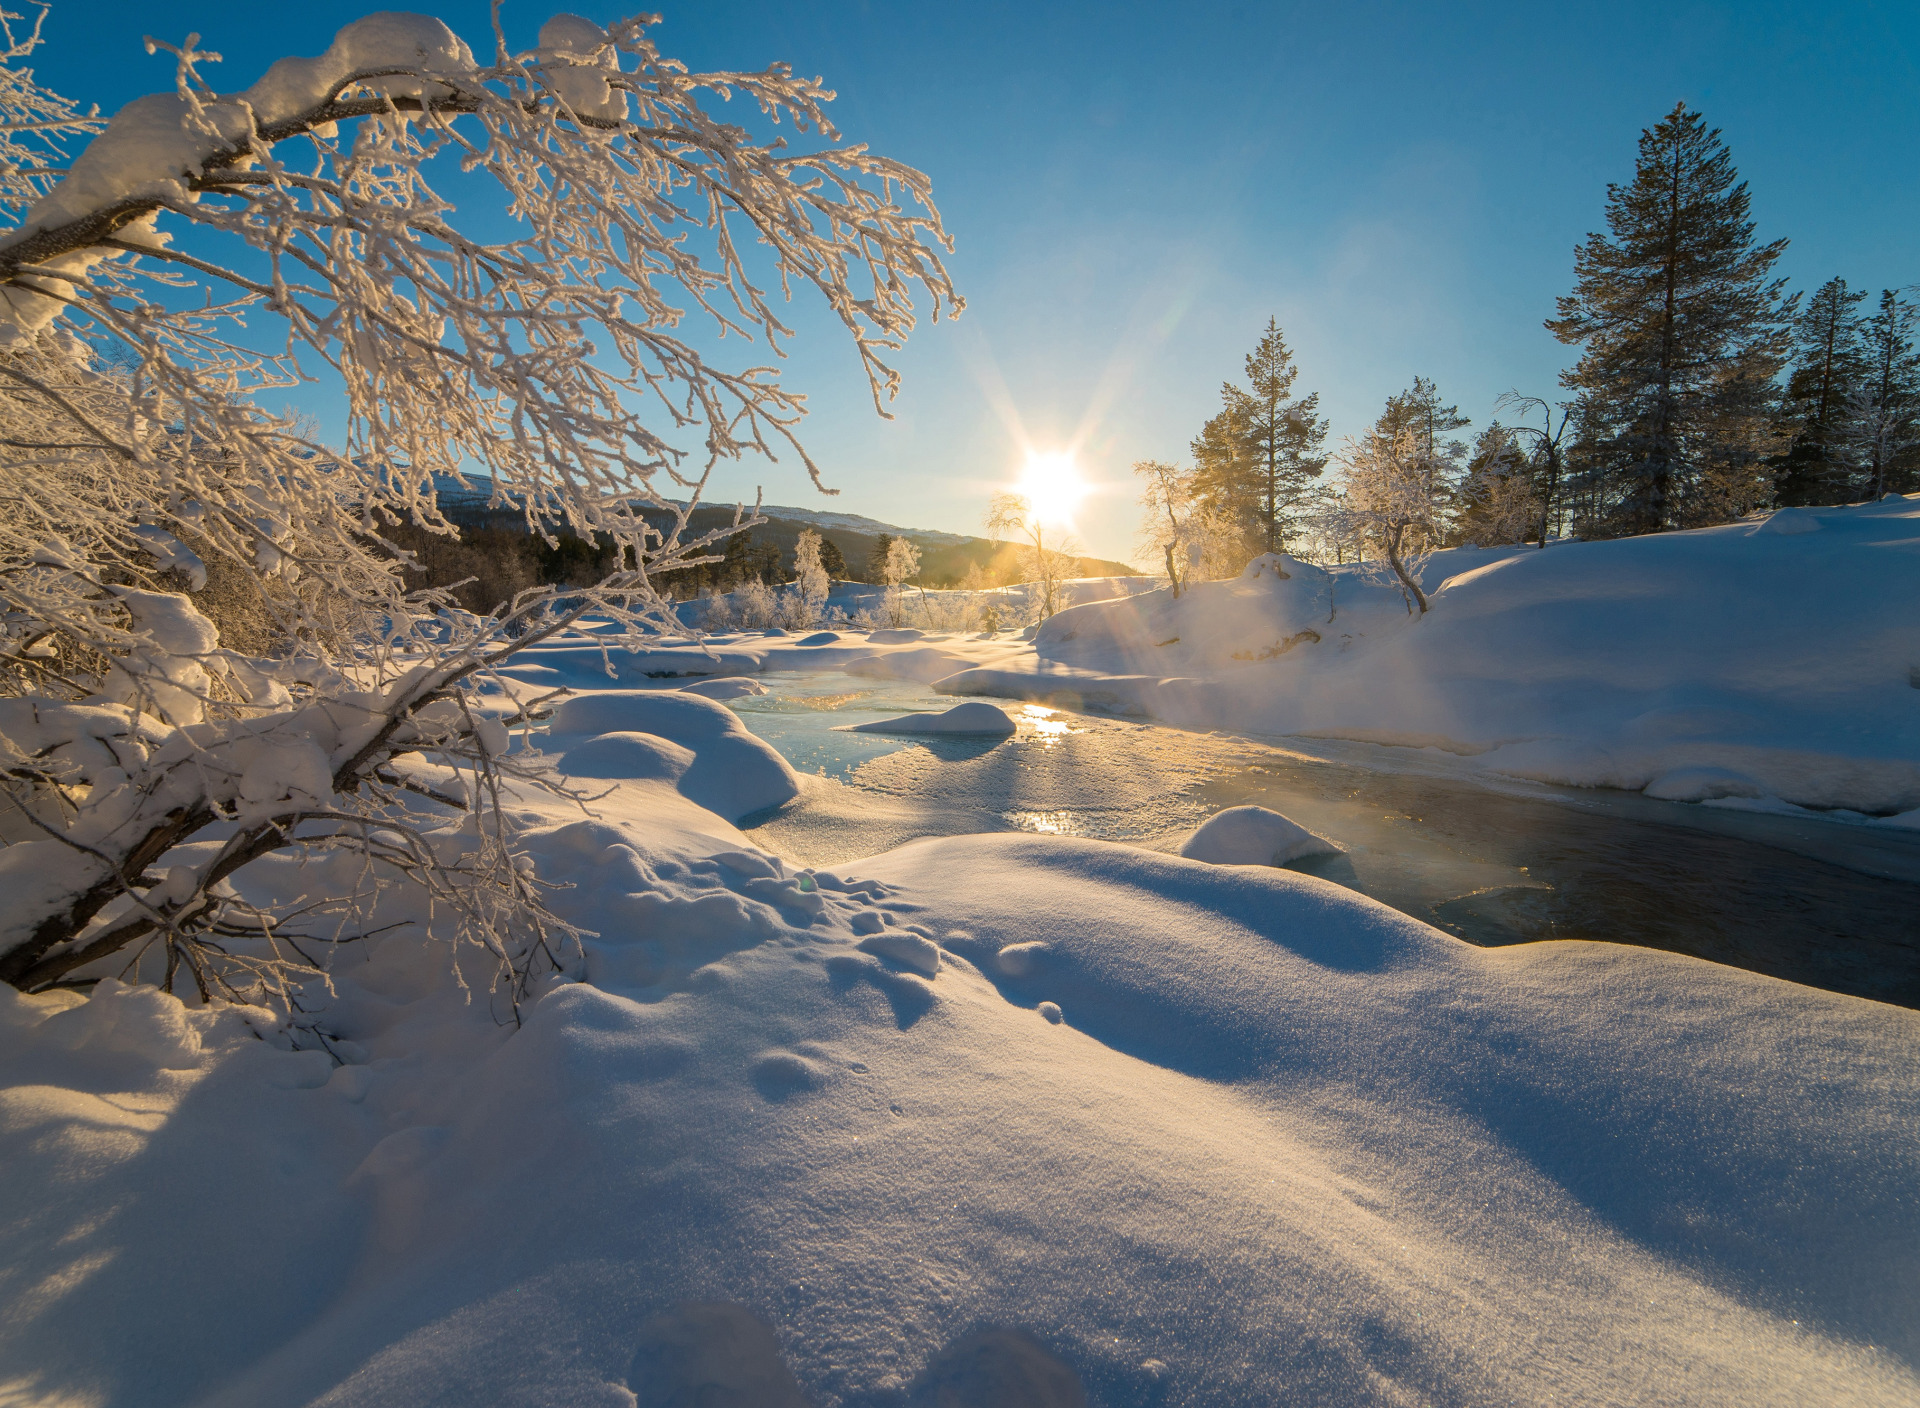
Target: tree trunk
x=1400 y=571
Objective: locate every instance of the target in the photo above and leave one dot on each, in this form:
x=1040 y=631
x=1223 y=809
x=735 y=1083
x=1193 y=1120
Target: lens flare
x=1051 y=482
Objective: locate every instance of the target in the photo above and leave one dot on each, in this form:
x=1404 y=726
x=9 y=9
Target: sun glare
x=1051 y=482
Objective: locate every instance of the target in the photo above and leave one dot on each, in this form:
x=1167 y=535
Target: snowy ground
x=1202 y=1134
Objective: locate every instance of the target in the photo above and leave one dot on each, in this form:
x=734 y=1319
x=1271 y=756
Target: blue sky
x=1135 y=189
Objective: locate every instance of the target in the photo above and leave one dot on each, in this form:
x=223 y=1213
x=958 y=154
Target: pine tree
x=1496 y=503
x=1881 y=442
x=877 y=558
x=1225 y=479
x=1255 y=462
x=832 y=561
x=1682 y=331
x=1282 y=438
x=1829 y=359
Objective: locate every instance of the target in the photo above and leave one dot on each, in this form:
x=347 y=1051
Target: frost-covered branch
x=207 y=249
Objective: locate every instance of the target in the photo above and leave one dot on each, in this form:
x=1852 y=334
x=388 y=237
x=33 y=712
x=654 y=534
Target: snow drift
x=1773 y=658
x=993 y=1109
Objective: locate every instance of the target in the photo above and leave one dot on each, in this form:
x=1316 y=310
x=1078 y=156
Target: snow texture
x=1068 y=1119
x=698 y=745
x=1180 y=1134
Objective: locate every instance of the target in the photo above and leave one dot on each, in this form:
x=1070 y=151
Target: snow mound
x=1253 y=836
x=1777 y=653
x=899 y=636
x=926 y=664
x=820 y=638
x=699 y=746
x=1275 y=608
x=1789 y=521
x=731 y=687
x=973 y=717
x=1702 y=784
x=1228 y=1135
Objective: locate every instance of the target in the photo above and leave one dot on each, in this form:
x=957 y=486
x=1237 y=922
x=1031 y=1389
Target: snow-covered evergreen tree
x=1682 y=330
x=1440 y=460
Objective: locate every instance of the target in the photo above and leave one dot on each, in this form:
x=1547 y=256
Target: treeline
x=1703 y=391
x=495 y=556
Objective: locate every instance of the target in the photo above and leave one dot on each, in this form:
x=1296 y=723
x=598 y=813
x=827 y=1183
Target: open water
x=1833 y=904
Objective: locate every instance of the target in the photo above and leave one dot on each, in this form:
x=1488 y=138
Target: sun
x=1051 y=482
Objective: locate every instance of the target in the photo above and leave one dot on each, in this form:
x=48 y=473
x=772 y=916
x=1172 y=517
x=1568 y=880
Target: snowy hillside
x=1770 y=659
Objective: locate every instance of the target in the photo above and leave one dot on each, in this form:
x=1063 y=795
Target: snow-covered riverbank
x=1281 y=1145
x=1037 y=1107
x=1763 y=664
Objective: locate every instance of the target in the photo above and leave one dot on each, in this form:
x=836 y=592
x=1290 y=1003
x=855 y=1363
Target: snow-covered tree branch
x=205 y=249
x=1389 y=506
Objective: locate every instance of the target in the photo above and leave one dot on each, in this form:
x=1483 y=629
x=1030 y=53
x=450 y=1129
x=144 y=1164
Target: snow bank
x=1771 y=659
x=1253 y=836
x=1023 y=1109
x=970 y=718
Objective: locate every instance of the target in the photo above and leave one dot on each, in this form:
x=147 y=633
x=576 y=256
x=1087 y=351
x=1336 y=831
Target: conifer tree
x=1224 y=475
x=1682 y=330
x=1283 y=438
x=1417 y=413
x=1829 y=359
x=1881 y=441
x=832 y=561
x=1256 y=461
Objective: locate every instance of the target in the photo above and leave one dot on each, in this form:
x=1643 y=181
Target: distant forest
x=1704 y=391
x=495 y=556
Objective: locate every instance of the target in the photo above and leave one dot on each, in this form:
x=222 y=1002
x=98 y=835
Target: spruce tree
x=832 y=561
x=1829 y=359
x=1682 y=330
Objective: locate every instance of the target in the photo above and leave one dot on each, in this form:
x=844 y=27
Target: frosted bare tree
x=1389 y=508
x=807 y=599
x=1051 y=552
x=902 y=565
x=204 y=249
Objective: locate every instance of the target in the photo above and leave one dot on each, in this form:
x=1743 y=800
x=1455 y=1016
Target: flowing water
x=1828 y=903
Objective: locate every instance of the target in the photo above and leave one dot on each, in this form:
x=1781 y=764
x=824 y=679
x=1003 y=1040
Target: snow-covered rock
x=698 y=745
x=1253 y=836
x=733 y=687
x=974 y=717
